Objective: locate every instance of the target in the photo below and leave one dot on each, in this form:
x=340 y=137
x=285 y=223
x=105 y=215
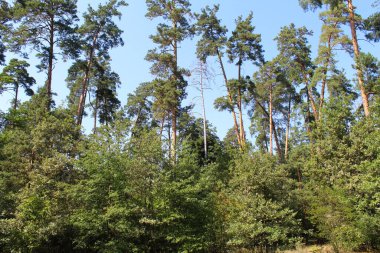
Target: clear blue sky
x=129 y=63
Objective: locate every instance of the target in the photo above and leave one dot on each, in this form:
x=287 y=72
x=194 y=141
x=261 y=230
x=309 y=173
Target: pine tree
x=99 y=34
x=171 y=85
x=139 y=110
x=372 y=27
x=332 y=38
x=353 y=21
x=16 y=75
x=242 y=46
x=271 y=91
x=371 y=78
x=5 y=18
x=37 y=148
x=294 y=57
x=44 y=26
x=213 y=43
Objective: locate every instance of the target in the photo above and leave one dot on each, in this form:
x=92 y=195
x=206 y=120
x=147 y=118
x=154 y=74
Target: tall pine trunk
x=324 y=79
x=309 y=93
x=50 y=64
x=96 y=113
x=16 y=96
x=173 y=150
x=288 y=128
x=162 y=126
x=273 y=126
x=173 y=147
x=229 y=98
x=276 y=140
x=204 y=113
x=355 y=44
x=270 y=121
x=240 y=108
x=82 y=99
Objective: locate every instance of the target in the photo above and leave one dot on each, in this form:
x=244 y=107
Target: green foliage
x=191 y=133
x=5 y=18
x=372 y=27
x=36 y=159
x=257 y=214
x=371 y=73
x=99 y=31
x=106 y=207
x=120 y=190
x=213 y=33
x=44 y=26
x=244 y=45
x=16 y=75
x=294 y=52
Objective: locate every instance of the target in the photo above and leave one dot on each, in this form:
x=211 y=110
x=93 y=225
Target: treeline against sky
x=151 y=177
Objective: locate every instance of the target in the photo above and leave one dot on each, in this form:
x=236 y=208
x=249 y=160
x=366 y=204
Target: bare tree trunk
x=355 y=44
x=229 y=98
x=309 y=93
x=173 y=148
x=273 y=125
x=96 y=113
x=308 y=115
x=162 y=126
x=240 y=108
x=50 y=64
x=82 y=99
x=288 y=128
x=174 y=136
x=270 y=122
x=241 y=124
x=324 y=79
x=16 y=96
x=169 y=138
x=204 y=112
x=312 y=102
x=277 y=141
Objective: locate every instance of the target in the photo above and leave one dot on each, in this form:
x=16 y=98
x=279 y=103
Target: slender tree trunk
x=266 y=141
x=106 y=112
x=313 y=104
x=270 y=122
x=82 y=99
x=174 y=136
x=288 y=128
x=322 y=98
x=273 y=125
x=324 y=78
x=309 y=93
x=162 y=126
x=240 y=108
x=308 y=115
x=96 y=113
x=276 y=140
x=355 y=44
x=173 y=148
x=51 y=57
x=204 y=113
x=229 y=98
x=241 y=124
x=16 y=96
x=169 y=138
